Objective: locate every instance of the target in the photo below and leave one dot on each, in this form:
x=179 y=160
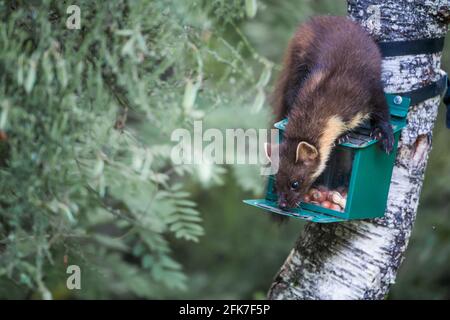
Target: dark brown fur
x=331 y=75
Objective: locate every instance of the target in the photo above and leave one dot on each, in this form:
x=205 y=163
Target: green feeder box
x=358 y=169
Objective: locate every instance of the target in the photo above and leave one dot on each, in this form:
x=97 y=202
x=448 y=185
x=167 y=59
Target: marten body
x=329 y=85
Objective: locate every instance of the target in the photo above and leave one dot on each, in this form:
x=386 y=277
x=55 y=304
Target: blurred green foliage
x=86 y=121
x=85 y=170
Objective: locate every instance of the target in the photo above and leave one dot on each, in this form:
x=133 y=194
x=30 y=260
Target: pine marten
x=329 y=85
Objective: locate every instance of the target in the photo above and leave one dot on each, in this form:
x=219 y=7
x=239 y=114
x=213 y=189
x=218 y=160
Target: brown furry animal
x=330 y=84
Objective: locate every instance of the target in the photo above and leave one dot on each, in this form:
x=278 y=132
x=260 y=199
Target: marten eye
x=295 y=185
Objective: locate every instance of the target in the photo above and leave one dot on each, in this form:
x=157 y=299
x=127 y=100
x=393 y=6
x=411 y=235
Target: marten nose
x=282 y=202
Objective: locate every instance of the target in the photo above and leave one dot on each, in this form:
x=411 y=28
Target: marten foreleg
x=381 y=127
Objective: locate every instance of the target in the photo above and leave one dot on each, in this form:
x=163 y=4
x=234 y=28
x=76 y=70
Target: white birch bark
x=360 y=259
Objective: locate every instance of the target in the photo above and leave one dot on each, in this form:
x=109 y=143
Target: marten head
x=298 y=168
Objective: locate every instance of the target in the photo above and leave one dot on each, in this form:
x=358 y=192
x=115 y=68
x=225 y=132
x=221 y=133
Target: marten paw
x=385 y=135
x=342 y=139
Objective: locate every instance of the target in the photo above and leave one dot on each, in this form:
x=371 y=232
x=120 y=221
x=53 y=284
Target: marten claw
x=385 y=135
x=342 y=139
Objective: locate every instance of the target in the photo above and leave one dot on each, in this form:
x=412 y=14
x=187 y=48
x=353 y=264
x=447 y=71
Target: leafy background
x=85 y=125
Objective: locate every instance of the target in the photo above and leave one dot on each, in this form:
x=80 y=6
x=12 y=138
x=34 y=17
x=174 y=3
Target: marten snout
x=282 y=201
x=288 y=200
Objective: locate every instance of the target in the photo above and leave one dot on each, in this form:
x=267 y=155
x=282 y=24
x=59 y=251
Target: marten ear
x=269 y=150
x=306 y=152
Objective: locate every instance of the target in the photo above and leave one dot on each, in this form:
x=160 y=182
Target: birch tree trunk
x=360 y=259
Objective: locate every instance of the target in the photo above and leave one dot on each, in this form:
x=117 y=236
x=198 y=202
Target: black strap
x=410 y=47
x=434 y=89
x=421 y=46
